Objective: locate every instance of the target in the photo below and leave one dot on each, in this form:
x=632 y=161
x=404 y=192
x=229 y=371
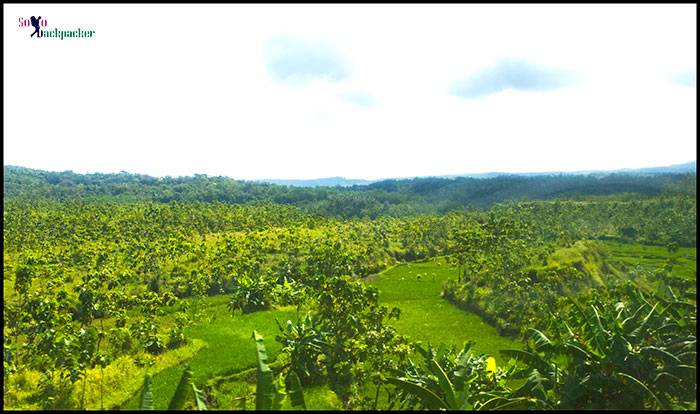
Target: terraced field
x=681 y=262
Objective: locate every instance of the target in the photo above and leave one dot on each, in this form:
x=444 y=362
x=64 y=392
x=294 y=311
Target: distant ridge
x=688 y=167
x=348 y=182
x=320 y=182
x=386 y=197
x=676 y=168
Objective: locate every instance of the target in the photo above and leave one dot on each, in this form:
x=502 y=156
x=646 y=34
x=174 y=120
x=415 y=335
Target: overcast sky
x=360 y=91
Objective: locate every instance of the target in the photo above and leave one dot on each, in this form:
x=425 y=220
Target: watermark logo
x=41 y=30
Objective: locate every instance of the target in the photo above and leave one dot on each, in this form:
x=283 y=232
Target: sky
x=360 y=91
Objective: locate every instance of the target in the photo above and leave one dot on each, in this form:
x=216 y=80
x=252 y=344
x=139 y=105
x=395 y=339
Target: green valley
x=124 y=302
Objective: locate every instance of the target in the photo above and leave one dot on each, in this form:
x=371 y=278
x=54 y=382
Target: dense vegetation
x=387 y=197
x=108 y=273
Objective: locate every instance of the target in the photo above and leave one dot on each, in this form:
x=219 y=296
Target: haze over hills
x=348 y=182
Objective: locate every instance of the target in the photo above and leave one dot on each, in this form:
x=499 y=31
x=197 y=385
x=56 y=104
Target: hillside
x=388 y=197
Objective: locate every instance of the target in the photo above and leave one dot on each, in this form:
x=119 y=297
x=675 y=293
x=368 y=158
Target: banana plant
x=636 y=354
x=147 y=394
x=304 y=342
x=269 y=394
x=452 y=382
x=181 y=396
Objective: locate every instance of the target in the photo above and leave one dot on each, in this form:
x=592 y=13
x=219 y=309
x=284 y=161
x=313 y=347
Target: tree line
x=387 y=197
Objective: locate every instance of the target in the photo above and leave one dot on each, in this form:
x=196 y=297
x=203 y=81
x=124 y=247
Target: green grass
x=120 y=380
x=229 y=348
x=317 y=397
x=629 y=255
x=415 y=289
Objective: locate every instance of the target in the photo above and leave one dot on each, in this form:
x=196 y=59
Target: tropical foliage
x=107 y=272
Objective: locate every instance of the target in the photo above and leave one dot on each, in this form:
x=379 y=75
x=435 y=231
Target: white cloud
x=183 y=89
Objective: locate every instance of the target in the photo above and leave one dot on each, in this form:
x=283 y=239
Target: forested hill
x=387 y=197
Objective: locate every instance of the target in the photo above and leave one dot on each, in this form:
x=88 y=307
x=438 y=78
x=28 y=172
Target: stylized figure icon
x=35 y=23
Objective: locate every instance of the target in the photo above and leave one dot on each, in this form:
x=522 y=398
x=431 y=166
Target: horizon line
x=467 y=174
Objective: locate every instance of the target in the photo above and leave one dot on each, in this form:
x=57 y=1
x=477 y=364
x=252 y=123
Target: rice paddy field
x=412 y=287
x=625 y=256
x=415 y=289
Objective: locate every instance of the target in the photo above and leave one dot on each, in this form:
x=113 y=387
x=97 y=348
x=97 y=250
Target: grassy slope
x=425 y=316
x=584 y=255
x=229 y=348
x=628 y=255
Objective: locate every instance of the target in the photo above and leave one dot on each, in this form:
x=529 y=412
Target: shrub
x=251 y=294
